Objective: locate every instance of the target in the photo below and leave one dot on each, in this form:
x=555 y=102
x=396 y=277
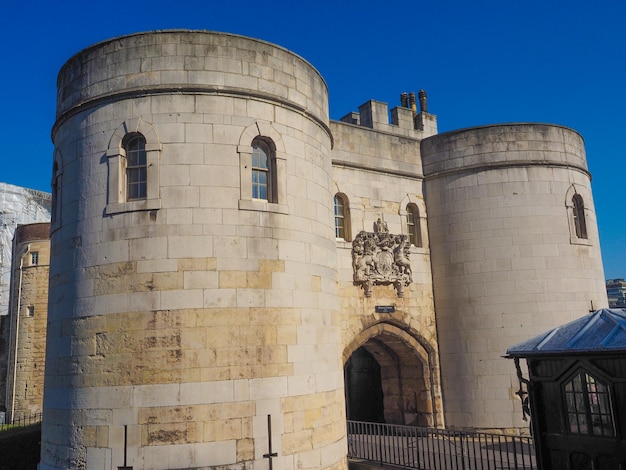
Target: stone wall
x=189 y=317
x=18 y=206
x=379 y=171
x=507 y=263
x=28 y=315
x=182 y=320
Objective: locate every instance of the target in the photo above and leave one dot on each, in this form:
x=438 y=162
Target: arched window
x=413 y=225
x=588 y=406
x=55 y=216
x=580 y=223
x=263 y=170
x=133 y=168
x=342 y=217
x=136 y=167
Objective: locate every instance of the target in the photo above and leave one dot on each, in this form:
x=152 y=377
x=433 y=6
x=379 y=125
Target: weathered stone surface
x=28 y=318
x=193 y=314
x=198 y=290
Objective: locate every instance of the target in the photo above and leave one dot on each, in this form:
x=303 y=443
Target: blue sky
x=481 y=62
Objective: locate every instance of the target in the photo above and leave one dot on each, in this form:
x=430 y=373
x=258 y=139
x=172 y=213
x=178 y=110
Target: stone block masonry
x=222 y=252
x=192 y=314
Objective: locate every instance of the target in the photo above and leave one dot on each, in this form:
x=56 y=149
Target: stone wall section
x=18 y=206
x=506 y=263
x=190 y=322
x=380 y=172
x=28 y=315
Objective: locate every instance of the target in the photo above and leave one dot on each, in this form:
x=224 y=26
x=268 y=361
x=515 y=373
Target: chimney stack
x=423 y=101
x=404 y=99
x=413 y=103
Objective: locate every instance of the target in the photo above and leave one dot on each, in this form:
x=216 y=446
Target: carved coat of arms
x=381 y=258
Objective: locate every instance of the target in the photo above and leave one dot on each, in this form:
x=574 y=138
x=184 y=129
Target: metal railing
x=438 y=449
x=21 y=420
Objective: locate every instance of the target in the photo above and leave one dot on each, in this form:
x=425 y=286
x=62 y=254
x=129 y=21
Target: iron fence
x=438 y=449
x=21 y=420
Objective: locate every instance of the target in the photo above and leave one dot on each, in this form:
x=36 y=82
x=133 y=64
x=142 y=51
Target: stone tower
x=18 y=206
x=193 y=306
x=514 y=250
x=28 y=315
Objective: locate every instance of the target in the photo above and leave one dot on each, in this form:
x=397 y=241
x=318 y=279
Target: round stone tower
x=193 y=305
x=515 y=251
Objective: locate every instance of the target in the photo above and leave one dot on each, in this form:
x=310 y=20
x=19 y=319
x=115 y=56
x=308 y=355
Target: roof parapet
x=375 y=115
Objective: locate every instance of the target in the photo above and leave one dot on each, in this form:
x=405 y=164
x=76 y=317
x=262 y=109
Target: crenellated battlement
x=405 y=120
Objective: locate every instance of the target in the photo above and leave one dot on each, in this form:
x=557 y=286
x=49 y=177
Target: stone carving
x=381 y=226
x=381 y=258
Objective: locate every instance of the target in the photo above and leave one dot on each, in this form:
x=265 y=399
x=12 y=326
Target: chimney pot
x=423 y=101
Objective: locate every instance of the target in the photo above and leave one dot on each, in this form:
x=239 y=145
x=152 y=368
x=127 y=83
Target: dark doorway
x=364 y=393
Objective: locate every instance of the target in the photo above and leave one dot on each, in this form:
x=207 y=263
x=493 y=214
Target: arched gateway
x=390 y=376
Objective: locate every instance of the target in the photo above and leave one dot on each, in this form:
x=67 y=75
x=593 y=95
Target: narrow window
x=413 y=225
x=588 y=405
x=56 y=211
x=579 y=216
x=136 y=167
x=30 y=310
x=262 y=171
x=34 y=258
x=342 y=221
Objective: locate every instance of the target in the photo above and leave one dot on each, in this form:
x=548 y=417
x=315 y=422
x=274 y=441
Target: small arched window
x=263 y=169
x=588 y=406
x=580 y=224
x=133 y=168
x=136 y=167
x=413 y=225
x=55 y=216
x=342 y=217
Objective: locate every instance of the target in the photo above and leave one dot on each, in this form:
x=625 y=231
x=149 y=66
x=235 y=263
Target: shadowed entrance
x=364 y=393
x=387 y=379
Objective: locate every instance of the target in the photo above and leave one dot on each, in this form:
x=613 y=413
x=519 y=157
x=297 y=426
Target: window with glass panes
x=413 y=225
x=588 y=406
x=136 y=168
x=340 y=218
x=261 y=170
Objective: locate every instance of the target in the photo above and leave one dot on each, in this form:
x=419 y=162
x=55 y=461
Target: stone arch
x=135 y=125
x=413 y=199
x=408 y=374
x=262 y=129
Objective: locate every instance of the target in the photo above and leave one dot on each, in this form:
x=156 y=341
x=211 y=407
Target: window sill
x=262 y=206
x=341 y=243
x=580 y=241
x=132 y=206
